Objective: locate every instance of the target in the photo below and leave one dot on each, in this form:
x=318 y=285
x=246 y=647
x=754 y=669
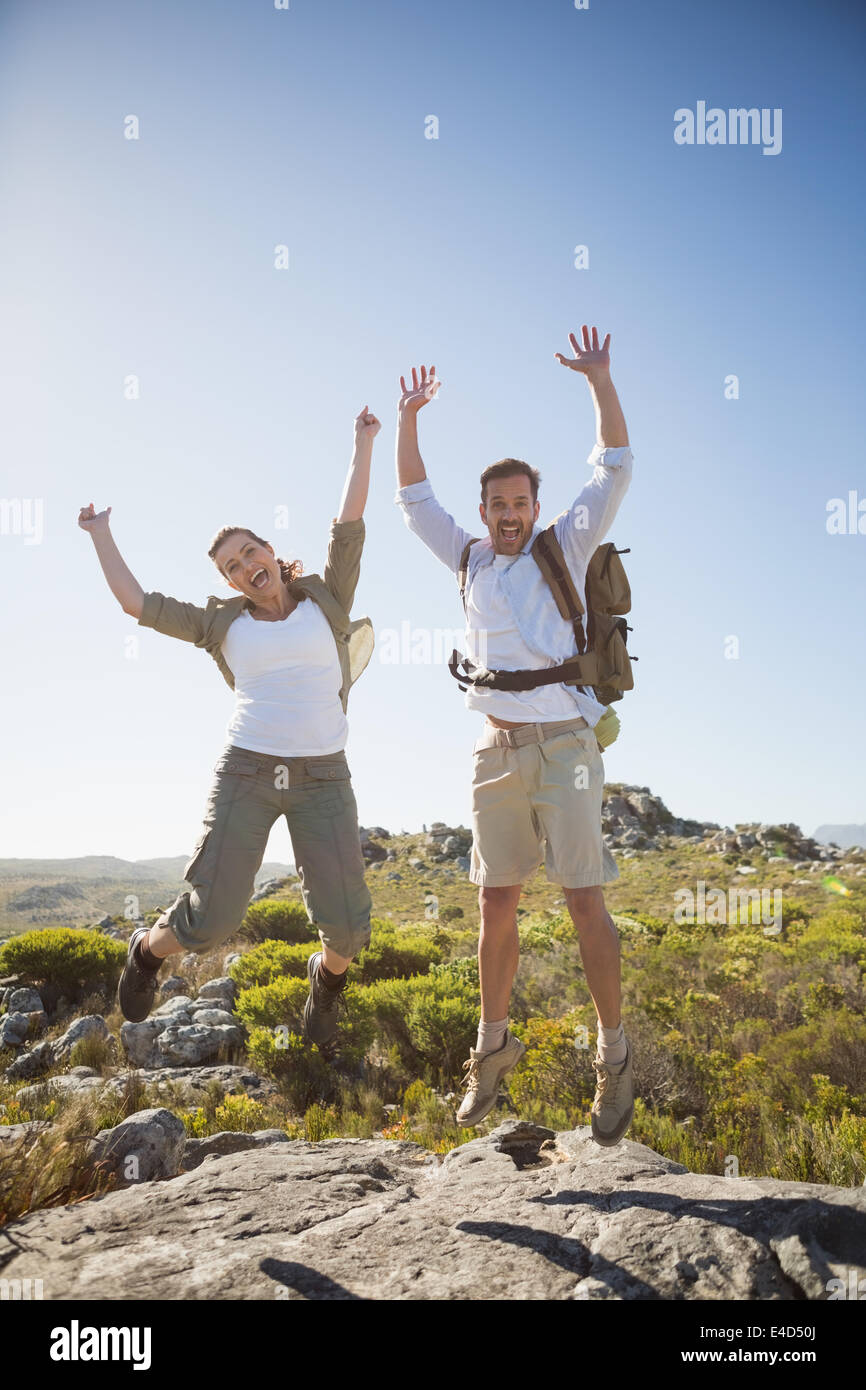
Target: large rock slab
x=519 y=1214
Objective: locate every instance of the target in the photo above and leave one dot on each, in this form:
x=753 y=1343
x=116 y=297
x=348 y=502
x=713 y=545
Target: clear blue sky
x=306 y=127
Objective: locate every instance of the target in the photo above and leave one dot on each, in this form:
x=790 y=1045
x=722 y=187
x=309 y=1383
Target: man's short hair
x=508 y=468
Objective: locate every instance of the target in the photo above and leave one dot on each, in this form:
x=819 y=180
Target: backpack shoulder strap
x=547 y=554
x=463 y=568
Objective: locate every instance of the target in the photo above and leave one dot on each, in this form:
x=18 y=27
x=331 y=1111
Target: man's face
x=249 y=567
x=509 y=513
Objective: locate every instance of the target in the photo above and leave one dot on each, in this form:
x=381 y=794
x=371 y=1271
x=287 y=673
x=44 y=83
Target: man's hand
x=419 y=393
x=366 y=425
x=92 y=521
x=591 y=359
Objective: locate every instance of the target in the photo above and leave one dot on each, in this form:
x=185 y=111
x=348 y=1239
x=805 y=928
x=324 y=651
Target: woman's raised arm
x=121 y=581
x=354 y=498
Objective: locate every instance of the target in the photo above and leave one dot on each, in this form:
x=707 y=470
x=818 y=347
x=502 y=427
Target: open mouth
x=509 y=533
x=259 y=579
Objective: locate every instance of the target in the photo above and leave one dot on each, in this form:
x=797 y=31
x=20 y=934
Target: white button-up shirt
x=512 y=621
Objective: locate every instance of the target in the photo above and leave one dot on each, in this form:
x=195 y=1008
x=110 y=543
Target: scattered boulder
x=90 y=1026
x=190 y=1046
x=20 y=1134
x=228 y=1142
x=54 y=1052
x=25 y=1001
x=30 y=1063
x=148 y=1144
x=267 y=890
x=66 y=1084
x=190 y=1084
x=184 y=1031
x=173 y=984
x=14 y=1028
x=222 y=990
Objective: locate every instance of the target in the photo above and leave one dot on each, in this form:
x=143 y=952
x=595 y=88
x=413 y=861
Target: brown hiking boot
x=322 y=1007
x=137 y=986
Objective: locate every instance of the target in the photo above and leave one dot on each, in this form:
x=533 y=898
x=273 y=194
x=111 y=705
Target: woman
x=288 y=649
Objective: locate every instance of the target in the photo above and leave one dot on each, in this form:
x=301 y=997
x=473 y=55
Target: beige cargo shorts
x=249 y=792
x=535 y=802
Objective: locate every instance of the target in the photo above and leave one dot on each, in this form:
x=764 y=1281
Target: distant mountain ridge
x=108 y=866
x=845 y=836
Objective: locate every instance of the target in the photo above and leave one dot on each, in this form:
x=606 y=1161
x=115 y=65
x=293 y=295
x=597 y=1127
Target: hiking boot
x=137 y=985
x=322 y=1006
x=613 y=1107
x=484 y=1071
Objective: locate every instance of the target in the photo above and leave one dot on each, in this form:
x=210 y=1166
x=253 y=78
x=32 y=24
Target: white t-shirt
x=287 y=684
x=490 y=610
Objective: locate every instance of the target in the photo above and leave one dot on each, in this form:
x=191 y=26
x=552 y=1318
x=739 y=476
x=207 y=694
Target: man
x=538 y=773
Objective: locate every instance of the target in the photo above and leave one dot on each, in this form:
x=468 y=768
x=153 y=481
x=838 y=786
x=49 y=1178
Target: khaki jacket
x=334 y=593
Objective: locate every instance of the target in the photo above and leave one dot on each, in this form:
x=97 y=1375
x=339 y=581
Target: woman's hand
x=366 y=425
x=421 y=391
x=92 y=521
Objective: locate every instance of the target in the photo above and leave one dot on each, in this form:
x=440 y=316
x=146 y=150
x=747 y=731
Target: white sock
x=612 y=1046
x=491 y=1036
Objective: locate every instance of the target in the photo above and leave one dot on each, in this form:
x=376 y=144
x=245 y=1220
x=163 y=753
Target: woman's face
x=249 y=567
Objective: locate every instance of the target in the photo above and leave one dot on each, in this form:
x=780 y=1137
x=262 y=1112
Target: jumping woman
x=286 y=646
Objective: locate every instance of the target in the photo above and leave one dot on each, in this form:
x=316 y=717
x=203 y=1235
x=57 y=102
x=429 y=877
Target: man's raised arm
x=421 y=512
x=583 y=527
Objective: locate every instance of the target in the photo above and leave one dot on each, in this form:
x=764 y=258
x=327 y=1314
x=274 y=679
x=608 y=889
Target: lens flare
x=835 y=885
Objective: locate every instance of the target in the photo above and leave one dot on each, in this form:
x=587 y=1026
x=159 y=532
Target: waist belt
x=527 y=733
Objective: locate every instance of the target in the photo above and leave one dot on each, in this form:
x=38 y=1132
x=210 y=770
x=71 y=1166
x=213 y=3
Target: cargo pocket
x=329 y=782
x=327 y=769
x=245 y=765
x=197 y=856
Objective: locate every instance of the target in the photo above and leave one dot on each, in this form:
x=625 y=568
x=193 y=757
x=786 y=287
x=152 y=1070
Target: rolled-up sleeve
x=172 y=617
x=343 y=565
x=429 y=520
x=587 y=521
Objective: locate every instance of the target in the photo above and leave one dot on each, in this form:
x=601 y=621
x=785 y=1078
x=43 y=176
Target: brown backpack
x=602 y=661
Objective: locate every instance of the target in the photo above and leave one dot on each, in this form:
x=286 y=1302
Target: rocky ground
x=522 y=1213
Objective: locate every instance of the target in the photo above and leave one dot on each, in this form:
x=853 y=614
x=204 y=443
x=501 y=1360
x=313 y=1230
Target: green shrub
x=463 y=970
x=271 y=959
x=303 y=1074
x=69 y=959
x=320 y=1123
x=450 y=914
x=276 y=919
x=554 y=1070
x=395 y=952
x=279 y=1006
x=430 y=1020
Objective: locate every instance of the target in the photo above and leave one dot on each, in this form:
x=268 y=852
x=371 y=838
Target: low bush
x=69 y=960
x=276 y=919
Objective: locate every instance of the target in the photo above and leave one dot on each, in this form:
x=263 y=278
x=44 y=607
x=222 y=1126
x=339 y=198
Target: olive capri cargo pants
x=249 y=791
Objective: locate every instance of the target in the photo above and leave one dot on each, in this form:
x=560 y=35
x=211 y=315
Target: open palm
x=423 y=389
x=588 y=358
